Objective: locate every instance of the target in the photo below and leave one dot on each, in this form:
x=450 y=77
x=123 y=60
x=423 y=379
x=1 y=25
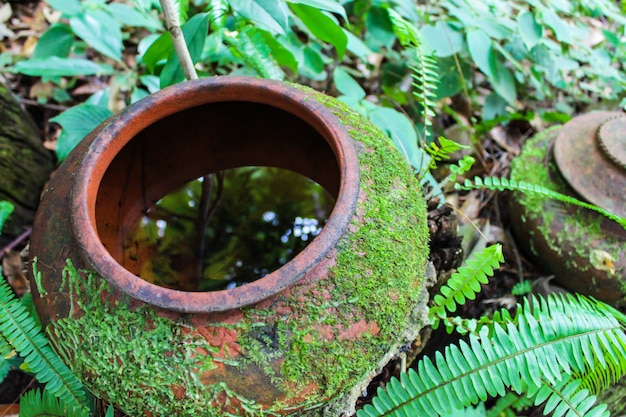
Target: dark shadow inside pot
x=193 y=143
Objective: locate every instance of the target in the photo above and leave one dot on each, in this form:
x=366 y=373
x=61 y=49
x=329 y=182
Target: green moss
x=581 y=229
x=134 y=357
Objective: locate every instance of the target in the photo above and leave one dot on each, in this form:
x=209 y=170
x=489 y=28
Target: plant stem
x=172 y=23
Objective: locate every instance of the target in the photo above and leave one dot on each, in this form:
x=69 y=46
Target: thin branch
x=172 y=22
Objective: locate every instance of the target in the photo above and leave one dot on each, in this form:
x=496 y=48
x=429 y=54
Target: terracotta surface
x=590 y=152
x=182 y=133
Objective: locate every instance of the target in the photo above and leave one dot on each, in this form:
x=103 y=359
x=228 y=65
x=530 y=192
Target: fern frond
x=442 y=150
x=465 y=283
x=25 y=336
x=522 y=288
x=570 y=334
x=6 y=209
x=36 y=403
x=423 y=66
x=218 y=12
x=502 y=184
x=250 y=46
x=566 y=398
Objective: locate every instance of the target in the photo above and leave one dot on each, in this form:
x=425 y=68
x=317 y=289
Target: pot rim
x=119 y=130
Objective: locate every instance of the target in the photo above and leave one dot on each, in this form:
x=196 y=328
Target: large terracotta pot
x=303 y=340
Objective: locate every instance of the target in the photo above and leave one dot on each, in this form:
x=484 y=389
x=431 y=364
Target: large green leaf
x=328 y=5
x=481 y=50
x=558 y=26
x=503 y=82
x=268 y=14
x=131 y=16
x=380 y=34
x=56 y=41
x=322 y=26
x=54 y=66
x=347 y=85
x=401 y=131
x=442 y=38
x=100 y=31
x=158 y=51
x=530 y=31
x=77 y=122
x=195 y=32
x=67 y=7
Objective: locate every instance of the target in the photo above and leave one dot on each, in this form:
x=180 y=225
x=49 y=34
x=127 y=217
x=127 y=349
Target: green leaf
x=158 y=51
x=503 y=82
x=328 y=5
x=59 y=67
x=56 y=41
x=268 y=14
x=77 y=122
x=380 y=34
x=558 y=26
x=481 y=50
x=131 y=16
x=322 y=26
x=195 y=32
x=67 y=7
x=401 y=130
x=529 y=29
x=443 y=38
x=346 y=85
x=100 y=31
x=6 y=209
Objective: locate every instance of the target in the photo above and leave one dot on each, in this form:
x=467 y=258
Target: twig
x=172 y=22
x=15 y=242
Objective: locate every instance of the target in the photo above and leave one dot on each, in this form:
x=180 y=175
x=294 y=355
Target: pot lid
x=590 y=152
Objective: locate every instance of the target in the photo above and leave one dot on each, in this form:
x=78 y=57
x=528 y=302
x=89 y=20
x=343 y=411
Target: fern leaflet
x=250 y=46
x=36 y=403
x=502 y=184
x=218 y=13
x=465 y=283
x=553 y=339
x=25 y=336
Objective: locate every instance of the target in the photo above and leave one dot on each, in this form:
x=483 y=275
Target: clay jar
x=585 y=251
x=303 y=340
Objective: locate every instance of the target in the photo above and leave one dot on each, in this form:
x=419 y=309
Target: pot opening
x=227 y=229
x=275 y=176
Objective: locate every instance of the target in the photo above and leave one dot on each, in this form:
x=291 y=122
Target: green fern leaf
x=36 y=403
x=6 y=209
x=522 y=288
x=25 y=336
x=423 y=67
x=465 y=283
x=543 y=349
x=218 y=13
x=252 y=49
x=502 y=184
x=567 y=398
